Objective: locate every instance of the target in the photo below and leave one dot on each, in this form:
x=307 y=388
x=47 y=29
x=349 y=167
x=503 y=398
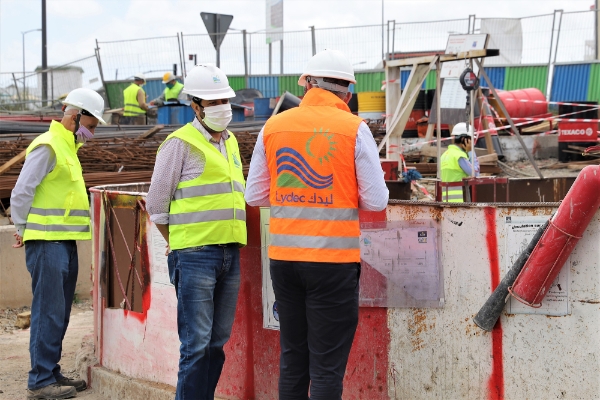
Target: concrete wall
x=413 y=353
x=15 y=281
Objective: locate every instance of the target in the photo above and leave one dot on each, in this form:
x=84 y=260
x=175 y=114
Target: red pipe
x=563 y=233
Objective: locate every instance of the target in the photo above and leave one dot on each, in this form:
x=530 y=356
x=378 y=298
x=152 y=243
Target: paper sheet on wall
x=405 y=262
x=518 y=234
x=160 y=268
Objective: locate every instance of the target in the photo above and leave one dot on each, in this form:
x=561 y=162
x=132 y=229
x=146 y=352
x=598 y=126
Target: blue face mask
x=170 y=85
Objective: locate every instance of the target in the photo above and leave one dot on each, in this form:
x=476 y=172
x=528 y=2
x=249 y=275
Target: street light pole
x=23 y=37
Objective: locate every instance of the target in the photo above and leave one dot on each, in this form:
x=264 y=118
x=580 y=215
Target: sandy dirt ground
x=14 y=351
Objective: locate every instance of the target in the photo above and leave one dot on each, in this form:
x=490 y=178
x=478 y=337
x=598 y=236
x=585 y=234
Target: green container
x=289 y=83
x=114 y=92
x=526 y=77
x=430 y=80
x=369 y=81
x=594 y=83
x=237 y=82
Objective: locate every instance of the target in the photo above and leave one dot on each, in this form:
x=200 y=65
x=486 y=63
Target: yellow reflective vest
x=173 y=93
x=211 y=208
x=132 y=107
x=60 y=208
x=452 y=172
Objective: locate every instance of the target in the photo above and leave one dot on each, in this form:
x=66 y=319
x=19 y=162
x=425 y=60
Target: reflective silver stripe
x=57 y=228
x=315 y=214
x=206 y=190
x=315 y=242
x=79 y=213
x=238 y=187
x=240 y=214
x=202 y=216
x=58 y=212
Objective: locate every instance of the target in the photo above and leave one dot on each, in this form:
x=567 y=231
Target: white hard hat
x=168 y=77
x=88 y=100
x=328 y=64
x=140 y=76
x=460 y=129
x=207 y=82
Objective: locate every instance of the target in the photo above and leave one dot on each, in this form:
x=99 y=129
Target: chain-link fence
x=20 y=92
x=577 y=37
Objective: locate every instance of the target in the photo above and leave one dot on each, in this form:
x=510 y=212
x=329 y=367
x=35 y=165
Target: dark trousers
x=317 y=305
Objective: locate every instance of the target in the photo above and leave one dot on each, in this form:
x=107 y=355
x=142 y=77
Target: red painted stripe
x=496 y=381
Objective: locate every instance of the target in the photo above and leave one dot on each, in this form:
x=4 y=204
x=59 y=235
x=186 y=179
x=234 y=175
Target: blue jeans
x=206 y=280
x=53 y=267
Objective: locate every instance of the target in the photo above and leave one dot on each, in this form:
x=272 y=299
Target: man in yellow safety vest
x=134 y=102
x=50 y=210
x=196 y=200
x=172 y=92
x=456 y=163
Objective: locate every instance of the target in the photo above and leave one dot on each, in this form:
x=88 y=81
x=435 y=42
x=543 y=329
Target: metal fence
x=542 y=39
x=20 y=92
x=539 y=40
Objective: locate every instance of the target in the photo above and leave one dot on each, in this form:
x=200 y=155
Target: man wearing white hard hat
x=172 y=92
x=457 y=162
x=134 y=102
x=315 y=166
x=196 y=200
x=50 y=210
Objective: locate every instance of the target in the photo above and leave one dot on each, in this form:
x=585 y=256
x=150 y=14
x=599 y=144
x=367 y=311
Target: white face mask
x=218 y=117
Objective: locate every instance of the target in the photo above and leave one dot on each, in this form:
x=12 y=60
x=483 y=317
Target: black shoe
x=79 y=385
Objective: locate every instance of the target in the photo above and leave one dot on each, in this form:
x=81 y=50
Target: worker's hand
x=151 y=103
x=19 y=241
x=168 y=249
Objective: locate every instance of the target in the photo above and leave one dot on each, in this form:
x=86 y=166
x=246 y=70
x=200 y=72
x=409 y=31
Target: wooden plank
x=15 y=160
x=151 y=132
x=443 y=57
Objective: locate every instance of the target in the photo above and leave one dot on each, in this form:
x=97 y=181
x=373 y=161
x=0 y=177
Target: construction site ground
x=14 y=351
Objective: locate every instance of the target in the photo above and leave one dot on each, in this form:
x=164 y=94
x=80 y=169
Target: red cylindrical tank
x=520 y=103
x=563 y=233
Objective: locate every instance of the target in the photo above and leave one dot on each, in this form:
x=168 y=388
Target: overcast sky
x=73 y=25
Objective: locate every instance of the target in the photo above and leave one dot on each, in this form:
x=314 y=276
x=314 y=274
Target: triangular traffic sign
x=217 y=26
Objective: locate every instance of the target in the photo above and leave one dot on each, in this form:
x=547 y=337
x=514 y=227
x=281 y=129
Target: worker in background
x=50 y=210
x=134 y=100
x=172 y=92
x=457 y=161
x=315 y=166
x=196 y=200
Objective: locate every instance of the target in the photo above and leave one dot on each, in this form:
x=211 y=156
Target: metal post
x=557 y=35
x=23 y=35
x=180 y=55
x=394 y=37
x=472 y=25
x=314 y=42
x=382 y=47
x=218 y=29
x=16 y=87
x=44 y=57
x=281 y=55
x=509 y=119
x=438 y=111
x=250 y=55
x=245 y=59
x=184 y=67
x=548 y=89
x=52 y=85
x=550 y=79
x=100 y=69
x=596 y=30
x=270 y=56
x=387 y=54
x=472 y=125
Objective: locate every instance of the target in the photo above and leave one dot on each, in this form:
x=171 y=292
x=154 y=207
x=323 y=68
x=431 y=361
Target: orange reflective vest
x=314 y=193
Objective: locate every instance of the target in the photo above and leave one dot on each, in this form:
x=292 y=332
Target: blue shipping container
x=268 y=85
x=404 y=78
x=496 y=75
x=570 y=82
x=175 y=115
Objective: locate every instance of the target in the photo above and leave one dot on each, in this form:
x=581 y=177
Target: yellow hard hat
x=168 y=77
